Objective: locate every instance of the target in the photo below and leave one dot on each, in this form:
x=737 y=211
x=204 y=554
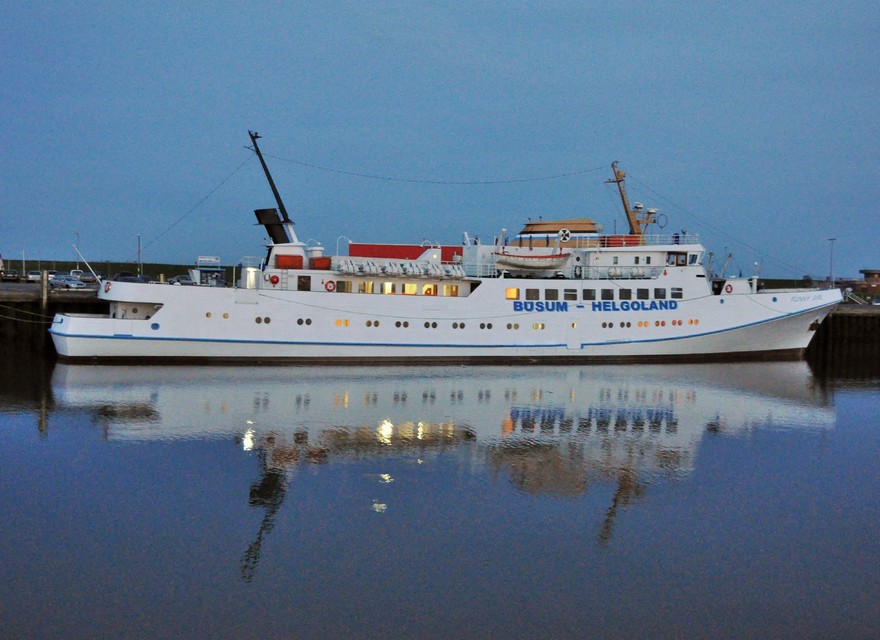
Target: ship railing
x=613 y=273
x=630 y=240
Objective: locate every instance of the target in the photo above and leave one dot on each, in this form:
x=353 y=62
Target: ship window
x=450 y=290
x=660 y=294
x=677 y=293
x=625 y=294
x=388 y=287
x=647 y=259
x=614 y=260
x=637 y=260
x=343 y=286
x=570 y=294
x=551 y=294
x=410 y=288
x=533 y=294
x=304 y=283
x=608 y=294
x=642 y=294
x=429 y=290
x=589 y=294
x=692 y=258
x=511 y=293
x=365 y=287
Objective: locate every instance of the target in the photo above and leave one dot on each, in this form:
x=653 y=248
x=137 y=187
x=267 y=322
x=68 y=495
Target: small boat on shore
x=561 y=291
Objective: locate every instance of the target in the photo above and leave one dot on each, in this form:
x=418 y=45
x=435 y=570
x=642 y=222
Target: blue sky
x=752 y=123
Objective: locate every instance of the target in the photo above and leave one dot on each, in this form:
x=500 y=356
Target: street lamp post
x=831 y=264
x=76 y=233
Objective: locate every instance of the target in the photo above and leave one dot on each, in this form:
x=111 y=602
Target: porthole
x=309 y=321
x=427 y=325
x=299 y=321
x=405 y=324
x=455 y=325
x=154 y=326
x=267 y=320
x=482 y=325
x=225 y=316
x=258 y=320
x=397 y=324
x=489 y=326
x=134 y=309
x=208 y=315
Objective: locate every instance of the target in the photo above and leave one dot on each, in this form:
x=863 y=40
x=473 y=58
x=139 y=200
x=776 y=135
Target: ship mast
x=637 y=218
x=254 y=136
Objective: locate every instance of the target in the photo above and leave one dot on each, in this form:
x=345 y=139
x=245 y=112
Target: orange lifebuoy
x=274 y=280
x=107 y=287
x=728 y=288
x=330 y=286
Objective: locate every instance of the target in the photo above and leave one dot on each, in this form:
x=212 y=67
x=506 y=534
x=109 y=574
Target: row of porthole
x=207 y=315
x=646 y=323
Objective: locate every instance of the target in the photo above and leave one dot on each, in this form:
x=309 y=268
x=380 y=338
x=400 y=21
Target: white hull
x=728 y=326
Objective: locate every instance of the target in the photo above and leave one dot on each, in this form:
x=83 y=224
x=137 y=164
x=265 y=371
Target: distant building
x=869 y=286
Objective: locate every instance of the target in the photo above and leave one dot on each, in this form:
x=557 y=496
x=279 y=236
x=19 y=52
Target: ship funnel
x=270 y=219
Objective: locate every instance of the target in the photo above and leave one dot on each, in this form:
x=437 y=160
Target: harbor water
x=676 y=501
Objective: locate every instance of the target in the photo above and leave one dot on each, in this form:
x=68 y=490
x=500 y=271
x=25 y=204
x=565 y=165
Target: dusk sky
x=754 y=124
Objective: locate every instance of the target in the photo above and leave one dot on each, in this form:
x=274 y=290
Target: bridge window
x=511 y=293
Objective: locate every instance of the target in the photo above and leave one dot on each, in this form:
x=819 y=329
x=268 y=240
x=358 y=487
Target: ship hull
x=192 y=324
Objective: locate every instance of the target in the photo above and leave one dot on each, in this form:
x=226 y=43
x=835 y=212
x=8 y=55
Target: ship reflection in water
x=551 y=431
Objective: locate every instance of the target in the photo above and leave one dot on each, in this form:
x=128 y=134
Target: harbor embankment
x=26 y=312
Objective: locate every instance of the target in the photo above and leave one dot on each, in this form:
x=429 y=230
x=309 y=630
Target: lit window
x=511 y=293
x=388 y=287
x=450 y=290
x=410 y=289
x=429 y=290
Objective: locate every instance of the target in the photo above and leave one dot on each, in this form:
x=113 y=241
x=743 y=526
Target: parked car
x=180 y=280
x=34 y=276
x=66 y=282
x=9 y=275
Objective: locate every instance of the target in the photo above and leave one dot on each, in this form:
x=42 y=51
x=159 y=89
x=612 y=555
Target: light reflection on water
x=606 y=439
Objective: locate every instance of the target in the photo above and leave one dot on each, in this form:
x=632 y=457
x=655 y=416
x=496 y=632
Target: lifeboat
x=531 y=260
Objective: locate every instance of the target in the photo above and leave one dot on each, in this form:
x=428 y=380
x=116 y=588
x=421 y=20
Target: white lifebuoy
x=728 y=288
x=564 y=235
x=107 y=287
x=330 y=286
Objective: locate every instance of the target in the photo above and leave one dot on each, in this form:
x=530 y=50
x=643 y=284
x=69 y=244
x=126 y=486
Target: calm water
x=703 y=501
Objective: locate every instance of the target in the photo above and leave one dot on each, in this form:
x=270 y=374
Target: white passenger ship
x=559 y=291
